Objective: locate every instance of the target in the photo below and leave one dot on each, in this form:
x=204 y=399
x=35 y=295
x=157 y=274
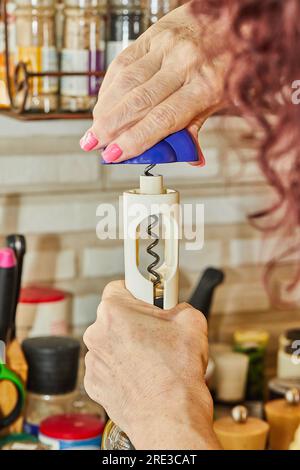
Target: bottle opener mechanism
x=160 y=208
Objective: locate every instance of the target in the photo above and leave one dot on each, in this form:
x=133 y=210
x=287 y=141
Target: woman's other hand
x=146 y=367
x=171 y=78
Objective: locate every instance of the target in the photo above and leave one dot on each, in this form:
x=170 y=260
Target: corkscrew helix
x=148 y=169
x=154 y=220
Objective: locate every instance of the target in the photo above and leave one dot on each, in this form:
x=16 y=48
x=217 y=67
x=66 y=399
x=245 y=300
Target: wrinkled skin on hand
x=171 y=78
x=146 y=367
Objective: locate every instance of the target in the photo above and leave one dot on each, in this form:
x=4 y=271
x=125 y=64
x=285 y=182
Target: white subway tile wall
x=98 y=262
x=50 y=191
x=50 y=265
x=47 y=169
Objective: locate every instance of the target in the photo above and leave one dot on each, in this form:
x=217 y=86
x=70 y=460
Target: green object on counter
x=20 y=437
x=10 y=376
x=253 y=343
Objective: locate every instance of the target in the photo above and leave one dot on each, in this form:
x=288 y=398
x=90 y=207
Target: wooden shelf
x=32 y=116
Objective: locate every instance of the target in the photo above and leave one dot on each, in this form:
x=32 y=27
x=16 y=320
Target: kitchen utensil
x=160 y=208
x=8 y=280
x=202 y=296
x=9 y=376
x=18 y=244
x=10 y=409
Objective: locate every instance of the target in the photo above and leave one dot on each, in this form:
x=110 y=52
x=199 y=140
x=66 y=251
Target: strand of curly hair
x=260 y=85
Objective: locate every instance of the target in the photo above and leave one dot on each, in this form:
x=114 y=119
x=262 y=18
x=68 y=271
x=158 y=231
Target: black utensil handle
x=8 y=278
x=18 y=244
x=202 y=296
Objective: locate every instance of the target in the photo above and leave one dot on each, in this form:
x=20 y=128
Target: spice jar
x=10 y=17
x=289 y=337
x=126 y=22
x=159 y=8
x=72 y=432
x=53 y=366
x=254 y=344
x=288 y=362
x=36 y=47
x=231 y=376
x=288 y=357
x=4 y=99
x=83 y=51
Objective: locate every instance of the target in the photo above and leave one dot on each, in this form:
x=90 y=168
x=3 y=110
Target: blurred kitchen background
x=50 y=190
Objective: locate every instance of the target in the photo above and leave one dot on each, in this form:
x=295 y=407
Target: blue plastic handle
x=177 y=147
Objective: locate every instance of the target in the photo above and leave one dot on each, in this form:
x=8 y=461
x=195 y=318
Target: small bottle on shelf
x=83 y=51
x=127 y=20
x=36 y=47
x=159 y=8
x=11 y=30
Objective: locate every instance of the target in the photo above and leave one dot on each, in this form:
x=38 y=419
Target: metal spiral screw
x=151 y=268
x=148 y=169
x=154 y=219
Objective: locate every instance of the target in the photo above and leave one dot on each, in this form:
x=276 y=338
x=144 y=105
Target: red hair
x=260 y=85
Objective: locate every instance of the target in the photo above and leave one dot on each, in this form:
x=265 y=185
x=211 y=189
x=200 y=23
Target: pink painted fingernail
x=89 y=141
x=112 y=153
x=202 y=161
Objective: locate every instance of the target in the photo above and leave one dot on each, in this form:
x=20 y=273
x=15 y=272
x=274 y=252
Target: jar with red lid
x=43 y=311
x=71 y=432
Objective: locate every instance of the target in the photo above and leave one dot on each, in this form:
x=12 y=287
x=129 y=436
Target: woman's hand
x=171 y=78
x=146 y=367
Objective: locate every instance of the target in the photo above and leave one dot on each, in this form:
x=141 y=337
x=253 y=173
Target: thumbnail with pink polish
x=89 y=141
x=112 y=153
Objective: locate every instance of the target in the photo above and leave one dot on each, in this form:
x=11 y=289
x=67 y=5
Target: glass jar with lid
x=52 y=376
x=159 y=8
x=253 y=343
x=10 y=16
x=36 y=47
x=127 y=20
x=40 y=406
x=83 y=51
